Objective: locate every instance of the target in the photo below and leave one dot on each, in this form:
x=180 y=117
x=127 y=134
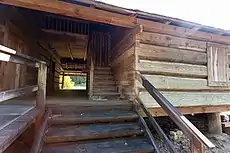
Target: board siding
x=179 y=99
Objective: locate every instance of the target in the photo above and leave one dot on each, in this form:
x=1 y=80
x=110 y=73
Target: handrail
x=196 y=137
x=156 y=126
x=37 y=144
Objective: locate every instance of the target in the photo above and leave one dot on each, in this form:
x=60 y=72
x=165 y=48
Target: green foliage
x=79 y=80
x=68 y=83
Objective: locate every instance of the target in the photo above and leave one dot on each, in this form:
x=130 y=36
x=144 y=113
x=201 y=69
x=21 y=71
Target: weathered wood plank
x=178 y=83
x=76 y=11
x=183 y=99
x=171 y=54
x=158 y=111
x=92 y=131
x=171 y=41
x=173 y=69
x=217 y=65
x=6 y=95
x=140 y=145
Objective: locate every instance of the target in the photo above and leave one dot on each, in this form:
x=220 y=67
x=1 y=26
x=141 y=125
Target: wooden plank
x=162 y=82
x=11 y=132
x=100 y=117
x=104 y=146
x=76 y=11
x=92 y=132
x=171 y=54
x=188 y=99
x=218 y=65
x=172 y=69
x=6 y=95
x=171 y=41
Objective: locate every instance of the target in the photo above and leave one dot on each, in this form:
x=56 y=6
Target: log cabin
x=137 y=64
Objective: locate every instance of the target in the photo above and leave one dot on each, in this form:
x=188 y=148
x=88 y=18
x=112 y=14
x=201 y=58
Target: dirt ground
x=182 y=144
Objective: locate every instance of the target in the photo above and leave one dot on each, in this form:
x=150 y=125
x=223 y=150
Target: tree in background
x=68 y=83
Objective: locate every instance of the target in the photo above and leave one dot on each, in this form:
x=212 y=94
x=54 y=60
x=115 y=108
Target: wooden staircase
x=113 y=128
x=104 y=86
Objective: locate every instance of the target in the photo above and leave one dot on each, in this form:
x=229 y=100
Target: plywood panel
x=174 y=69
x=189 y=98
x=178 y=83
x=171 y=41
x=171 y=54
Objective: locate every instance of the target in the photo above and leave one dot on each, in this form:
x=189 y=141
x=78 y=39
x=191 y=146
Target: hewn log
x=214 y=123
x=173 y=69
x=162 y=82
x=10 y=94
x=188 y=99
x=171 y=41
x=171 y=54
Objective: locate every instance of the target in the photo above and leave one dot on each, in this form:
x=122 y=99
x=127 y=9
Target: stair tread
x=121 y=145
x=92 y=131
x=105 y=93
x=88 y=117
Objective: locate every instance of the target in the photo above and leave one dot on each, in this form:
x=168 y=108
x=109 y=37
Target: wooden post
x=214 y=123
x=63 y=80
x=194 y=149
x=41 y=93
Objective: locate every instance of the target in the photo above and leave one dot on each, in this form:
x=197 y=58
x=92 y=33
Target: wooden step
x=125 y=145
x=91 y=107
x=104 y=83
x=103 y=68
x=106 y=94
x=103 y=77
x=103 y=73
x=92 y=132
x=96 y=117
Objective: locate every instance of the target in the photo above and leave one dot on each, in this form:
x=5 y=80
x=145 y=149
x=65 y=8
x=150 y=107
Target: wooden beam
x=169 y=83
x=188 y=99
x=171 y=41
x=156 y=27
x=172 y=69
x=70 y=52
x=76 y=11
x=153 y=52
x=10 y=94
x=41 y=93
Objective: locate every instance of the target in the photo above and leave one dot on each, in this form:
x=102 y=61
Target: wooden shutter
x=217 y=65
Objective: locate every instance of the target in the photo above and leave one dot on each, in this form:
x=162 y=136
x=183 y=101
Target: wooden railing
x=10 y=55
x=197 y=139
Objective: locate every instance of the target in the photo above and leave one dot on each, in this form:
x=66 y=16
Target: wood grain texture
x=172 y=69
x=218 y=65
x=157 y=111
x=76 y=11
x=135 y=145
x=171 y=54
x=92 y=131
x=162 y=82
x=171 y=41
x=184 y=99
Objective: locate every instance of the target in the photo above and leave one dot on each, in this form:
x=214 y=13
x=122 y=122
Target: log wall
x=178 y=67
x=13 y=35
x=123 y=64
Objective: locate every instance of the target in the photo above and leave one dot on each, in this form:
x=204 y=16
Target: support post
x=63 y=80
x=214 y=123
x=41 y=93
